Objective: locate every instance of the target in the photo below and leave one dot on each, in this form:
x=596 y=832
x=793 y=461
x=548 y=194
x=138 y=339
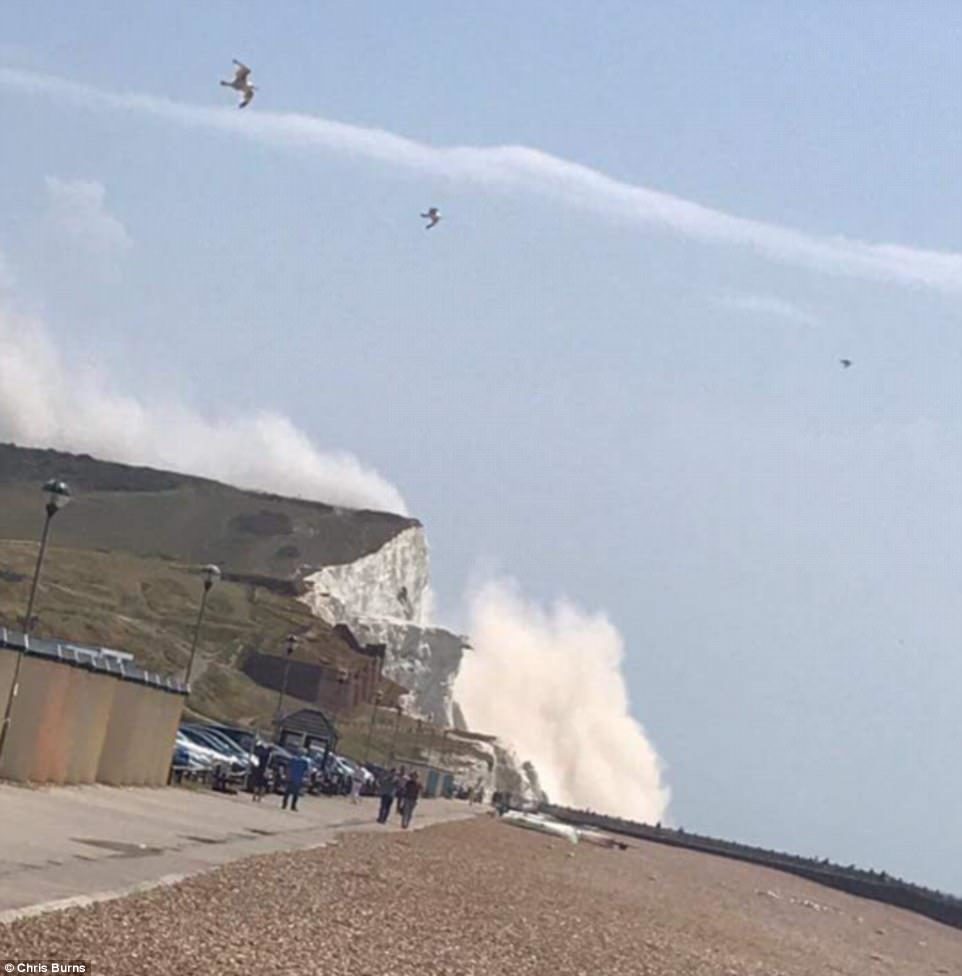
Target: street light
x=291 y=644
x=211 y=575
x=58 y=495
x=370 y=728
x=339 y=696
x=397 y=722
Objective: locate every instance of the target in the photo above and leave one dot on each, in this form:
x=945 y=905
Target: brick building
x=335 y=687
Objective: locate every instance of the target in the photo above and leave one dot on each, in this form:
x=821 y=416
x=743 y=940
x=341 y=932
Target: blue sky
x=645 y=415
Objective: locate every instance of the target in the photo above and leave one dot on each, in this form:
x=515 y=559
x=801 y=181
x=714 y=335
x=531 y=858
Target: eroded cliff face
x=423 y=659
x=389 y=583
x=384 y=598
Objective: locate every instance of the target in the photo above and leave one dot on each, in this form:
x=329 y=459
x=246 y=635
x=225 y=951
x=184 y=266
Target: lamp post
x=340 y=693
x=397 y=722
x=211 y=575
x=291 y=644
x=58 y=495
x=370 y=728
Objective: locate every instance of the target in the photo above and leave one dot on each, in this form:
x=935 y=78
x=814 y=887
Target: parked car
x=184 y=761
x=325 y=776
x=197 y=754
x=216 y=756
x=376 y=774
x=246 y=739
x=220 y=742
x=184 y=764
x=351 y=768
x=280 y=760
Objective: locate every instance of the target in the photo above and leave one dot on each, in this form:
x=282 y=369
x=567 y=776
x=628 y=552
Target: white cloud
x=44 y=401
x=549 y=682
x=531 y=170
x=77 y=216
x=769 y=306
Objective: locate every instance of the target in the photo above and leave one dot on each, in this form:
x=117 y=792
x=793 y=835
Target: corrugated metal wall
x=74 y=722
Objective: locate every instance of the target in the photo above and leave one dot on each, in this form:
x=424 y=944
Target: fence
x=933 y=904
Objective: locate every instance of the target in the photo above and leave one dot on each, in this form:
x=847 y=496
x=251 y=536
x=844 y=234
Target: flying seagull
x=432 y=217
x=241 y=83
x=845 y=363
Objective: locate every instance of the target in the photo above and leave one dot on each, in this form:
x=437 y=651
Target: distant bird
x=432 y=217
x=845 y=363
x=241 y=83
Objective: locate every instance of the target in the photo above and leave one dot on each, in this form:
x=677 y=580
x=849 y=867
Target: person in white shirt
x=357 y=781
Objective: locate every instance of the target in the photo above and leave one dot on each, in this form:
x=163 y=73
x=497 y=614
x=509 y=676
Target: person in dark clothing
x=412 y=790
x=296 y=772
x=388 y=789
x=219 y=780
x=260 y=772
x=402 y=778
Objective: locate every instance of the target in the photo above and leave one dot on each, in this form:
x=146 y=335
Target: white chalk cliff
x=384 y=598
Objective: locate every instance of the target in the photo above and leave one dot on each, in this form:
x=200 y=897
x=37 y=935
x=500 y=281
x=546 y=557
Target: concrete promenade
x=86 y=843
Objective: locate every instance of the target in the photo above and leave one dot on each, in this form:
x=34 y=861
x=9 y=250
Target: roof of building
x=311 y=721
x=117 y=663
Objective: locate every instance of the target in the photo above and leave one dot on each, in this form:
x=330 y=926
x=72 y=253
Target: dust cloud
x=46 y=403
x=549 y=682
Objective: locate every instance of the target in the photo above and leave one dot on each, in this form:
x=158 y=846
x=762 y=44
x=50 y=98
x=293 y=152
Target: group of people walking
x=294 y=778
x=399 y=790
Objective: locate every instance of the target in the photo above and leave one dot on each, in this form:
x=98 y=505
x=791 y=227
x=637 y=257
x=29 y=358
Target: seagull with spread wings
x=432 y=217
x=241 y=82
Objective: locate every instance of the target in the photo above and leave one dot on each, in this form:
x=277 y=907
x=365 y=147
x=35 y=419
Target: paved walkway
x=87 y=843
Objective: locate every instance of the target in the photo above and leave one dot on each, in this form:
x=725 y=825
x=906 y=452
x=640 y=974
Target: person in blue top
x=296 y=774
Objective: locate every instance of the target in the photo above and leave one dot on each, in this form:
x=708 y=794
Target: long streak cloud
x=529 y=170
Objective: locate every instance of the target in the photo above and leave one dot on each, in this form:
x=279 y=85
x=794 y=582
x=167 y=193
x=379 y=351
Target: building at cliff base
x=384 y=597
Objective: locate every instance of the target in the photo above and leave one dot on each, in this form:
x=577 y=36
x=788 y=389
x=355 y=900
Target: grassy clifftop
x=148 y=606
x=119 y=507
